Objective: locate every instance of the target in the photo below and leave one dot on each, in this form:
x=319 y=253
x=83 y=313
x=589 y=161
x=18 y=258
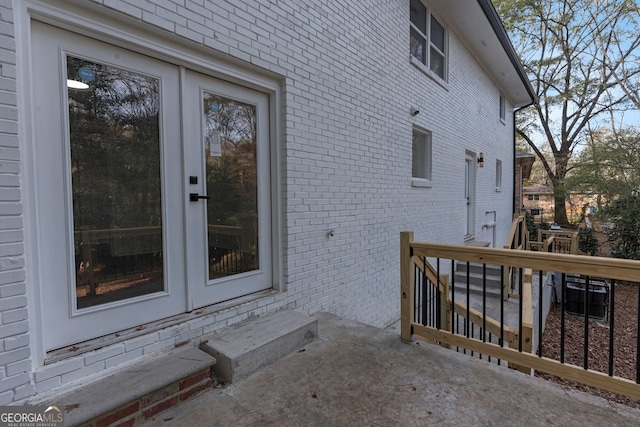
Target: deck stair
x=493 y=279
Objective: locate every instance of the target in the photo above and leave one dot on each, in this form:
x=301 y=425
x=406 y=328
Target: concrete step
x=136 y=393
x=475 y=267
x=492 y=275
x=475 y=289
x=244 y=349
x=477 y=243
x=476 y=279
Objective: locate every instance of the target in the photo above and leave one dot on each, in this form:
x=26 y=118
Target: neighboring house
x=314 y=132
x=540 y=198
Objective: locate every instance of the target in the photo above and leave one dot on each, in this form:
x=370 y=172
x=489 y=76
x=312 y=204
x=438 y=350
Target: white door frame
x=119 y=31
x=470 y=195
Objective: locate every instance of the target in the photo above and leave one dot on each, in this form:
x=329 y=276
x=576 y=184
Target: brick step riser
x=143 y=409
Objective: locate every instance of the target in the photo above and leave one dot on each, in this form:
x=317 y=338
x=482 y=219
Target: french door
x=228 y=212
x=151 y=187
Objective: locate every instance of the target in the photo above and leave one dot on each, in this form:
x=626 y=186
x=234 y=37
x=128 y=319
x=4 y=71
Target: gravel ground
x=626 y=333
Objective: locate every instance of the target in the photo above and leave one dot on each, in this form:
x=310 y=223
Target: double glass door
x=151 y=187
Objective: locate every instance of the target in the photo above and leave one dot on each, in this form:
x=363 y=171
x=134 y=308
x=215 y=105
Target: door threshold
x=147 y=328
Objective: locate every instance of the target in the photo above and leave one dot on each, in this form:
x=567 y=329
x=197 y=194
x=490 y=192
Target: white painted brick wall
x=349 y=85
x=15 y=361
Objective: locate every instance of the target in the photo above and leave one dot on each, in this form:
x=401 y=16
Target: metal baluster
x=563 y=293
x=438 y=296
x=490 y=340
x=426 y=291
x=540 y=292
x=454 y=323
x=472 y=332
x=484 y=301
x=612 y=306
x=520 y=278
x=586 y=323
x=417 y=277
x=468 y=302
x=501 y=340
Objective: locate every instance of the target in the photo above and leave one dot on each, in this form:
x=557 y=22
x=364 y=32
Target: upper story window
x=503 y=110
x=533 y=197
x=428 y=39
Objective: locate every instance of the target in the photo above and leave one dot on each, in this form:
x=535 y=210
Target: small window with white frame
x=428 y=39
x=421 y=164
x=503 y=108
x=498 y=175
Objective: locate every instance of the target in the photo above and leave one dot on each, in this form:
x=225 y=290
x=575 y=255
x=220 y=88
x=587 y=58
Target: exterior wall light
x=480 y=160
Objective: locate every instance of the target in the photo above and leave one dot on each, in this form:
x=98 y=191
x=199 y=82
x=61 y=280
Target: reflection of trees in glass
x=115 y=156
x=115 y=173
x=232 y=176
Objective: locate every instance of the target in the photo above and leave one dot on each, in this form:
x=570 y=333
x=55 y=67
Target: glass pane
x=115 y=176
x=229 y=131
x=437 y=34
x=436 y=63
x=419 y=162
x=418 y=46
x=418 y=15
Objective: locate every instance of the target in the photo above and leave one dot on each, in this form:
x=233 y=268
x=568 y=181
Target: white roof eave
x=480 y=28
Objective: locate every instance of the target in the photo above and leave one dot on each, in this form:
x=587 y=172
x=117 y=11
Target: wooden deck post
x=406 y=286
x=527 y=320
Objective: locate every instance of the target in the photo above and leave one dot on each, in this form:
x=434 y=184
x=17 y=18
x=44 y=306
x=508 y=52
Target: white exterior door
x=107 y=181
x=122 y=145
x=470 y=194
x=228 y=189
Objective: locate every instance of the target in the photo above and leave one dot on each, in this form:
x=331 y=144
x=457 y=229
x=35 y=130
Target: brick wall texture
x=346 y=145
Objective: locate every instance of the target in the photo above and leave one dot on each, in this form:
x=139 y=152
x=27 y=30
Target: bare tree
x=626 y=73
x=576 y=54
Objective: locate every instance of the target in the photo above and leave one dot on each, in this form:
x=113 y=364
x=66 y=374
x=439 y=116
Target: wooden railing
x=556 y=241
x=519 y=234
x=448 y=314
x=513 y=345
x=517 y=240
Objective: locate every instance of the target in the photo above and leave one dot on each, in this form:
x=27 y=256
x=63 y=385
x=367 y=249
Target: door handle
x=194 y=197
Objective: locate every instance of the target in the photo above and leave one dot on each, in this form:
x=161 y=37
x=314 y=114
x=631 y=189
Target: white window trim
x=498 y=176
x=503 y=109
x=425 y=67
x=419 y=181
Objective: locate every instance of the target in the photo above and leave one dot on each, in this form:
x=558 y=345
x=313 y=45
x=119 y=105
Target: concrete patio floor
x=355 y=374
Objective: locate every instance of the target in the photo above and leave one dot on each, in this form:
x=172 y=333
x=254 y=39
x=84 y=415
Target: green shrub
x=623 y=237
x=587 y=242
